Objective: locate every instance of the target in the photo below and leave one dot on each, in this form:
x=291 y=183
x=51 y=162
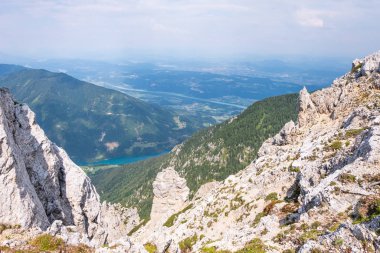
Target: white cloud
x=310 y=18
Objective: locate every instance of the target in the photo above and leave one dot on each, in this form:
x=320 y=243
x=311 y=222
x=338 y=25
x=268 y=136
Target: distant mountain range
x=211 y=92
x=93 y=122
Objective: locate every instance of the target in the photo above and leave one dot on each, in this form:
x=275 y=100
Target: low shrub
x=254 y=246
x=294 y=169
x=171 y=220
x=47 y=242
x=258 y=218
x=310 y=235
x=271 y=196
x=268 y=208
x=367 y=209
x=186 y=245
x=347 y=178
x=338 y=242
x=354 y=132
x=213 y=249
x=290 y=207
x=336 y=145
x=150 y=247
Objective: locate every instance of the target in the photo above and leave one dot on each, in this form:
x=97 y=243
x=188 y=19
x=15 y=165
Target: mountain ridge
x=73 y=111
x=313 y=187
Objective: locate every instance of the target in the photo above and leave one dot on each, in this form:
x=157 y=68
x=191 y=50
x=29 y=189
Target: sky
x=188 y=28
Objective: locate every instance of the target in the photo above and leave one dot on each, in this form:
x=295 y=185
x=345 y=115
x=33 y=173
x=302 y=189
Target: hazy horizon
x=188 y=29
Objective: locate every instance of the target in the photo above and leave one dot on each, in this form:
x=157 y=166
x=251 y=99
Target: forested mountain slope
x=93 y=122
x=211 y=154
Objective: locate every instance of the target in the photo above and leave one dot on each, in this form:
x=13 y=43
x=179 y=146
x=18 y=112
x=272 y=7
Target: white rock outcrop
x=40 y=187
x=371 y=64
x=170 y=195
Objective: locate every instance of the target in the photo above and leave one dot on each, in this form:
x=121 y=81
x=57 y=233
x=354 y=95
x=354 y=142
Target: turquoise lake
x=122 y=160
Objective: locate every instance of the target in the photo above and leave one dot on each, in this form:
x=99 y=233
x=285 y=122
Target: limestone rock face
x=350 y=236
x=286 y=135
x=367 y=65
x=314 y=186
x=40 y=185
x=371 y=64
x=117 y=220
x=170 y=194
x=305 y=105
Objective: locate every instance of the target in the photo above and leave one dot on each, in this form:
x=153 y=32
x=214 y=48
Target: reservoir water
x=122 y=160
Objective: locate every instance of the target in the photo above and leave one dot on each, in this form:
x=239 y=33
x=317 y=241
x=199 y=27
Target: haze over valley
x=210 y=91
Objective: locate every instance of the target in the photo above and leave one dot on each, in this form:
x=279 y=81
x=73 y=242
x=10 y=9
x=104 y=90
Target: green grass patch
x=254 y=246
x=347 y=178
x=133 y=230
x=258 y=218
x=213 y=249
x=150 y=247
x=310 y=235
x=170 y=221
x=371 y=210
x=47 y=242
x=186 y=245
x=271 y=196
x=336 y=145
x=338 y=242
x=294 y=169
x=351 y=133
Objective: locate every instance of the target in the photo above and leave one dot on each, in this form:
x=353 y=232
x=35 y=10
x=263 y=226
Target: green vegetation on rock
x=170 y=221
x=135 y=229
x=254 y=246
x=186 y=245
x=336 y=145
x=368 y=208
x=271 y=196
x=150 y=247
x=213 y=249
x=47 y=242
x=219 y=151
x=354 y=132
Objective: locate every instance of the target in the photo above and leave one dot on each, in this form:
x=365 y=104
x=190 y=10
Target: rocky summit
x=315 y=186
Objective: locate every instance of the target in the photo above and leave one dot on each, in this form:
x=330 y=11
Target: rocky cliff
x=41 y=188
x=313 y=188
